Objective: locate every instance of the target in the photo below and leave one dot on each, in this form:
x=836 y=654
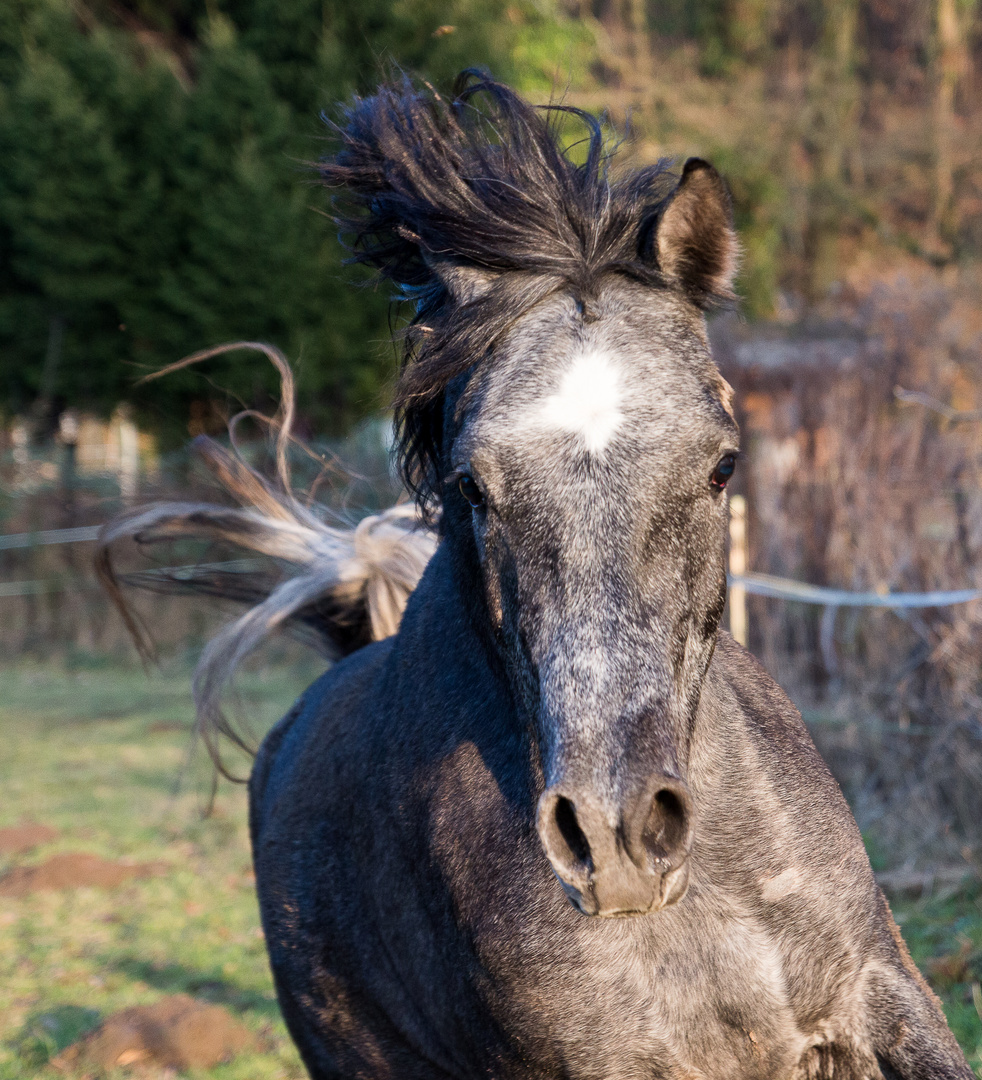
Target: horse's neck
x=756 y=775
x=446 y=637
x=740 y=706
x=448 y=611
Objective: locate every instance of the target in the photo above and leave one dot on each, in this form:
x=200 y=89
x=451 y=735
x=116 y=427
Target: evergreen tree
x=156 y=196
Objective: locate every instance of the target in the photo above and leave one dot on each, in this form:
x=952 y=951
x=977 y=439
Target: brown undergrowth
x=851 y=486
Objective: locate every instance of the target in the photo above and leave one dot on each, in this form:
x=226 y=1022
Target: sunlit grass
x=103 y=757
x=944 y=933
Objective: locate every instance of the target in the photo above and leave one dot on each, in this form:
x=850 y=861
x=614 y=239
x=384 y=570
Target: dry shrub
x=849 y=487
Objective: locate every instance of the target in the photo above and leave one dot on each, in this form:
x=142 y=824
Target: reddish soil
x=177 y=1032
x=162 y=726
x=73 y=870
x=23 y=837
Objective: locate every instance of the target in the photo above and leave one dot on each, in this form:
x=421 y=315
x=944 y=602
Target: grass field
x=102 y=757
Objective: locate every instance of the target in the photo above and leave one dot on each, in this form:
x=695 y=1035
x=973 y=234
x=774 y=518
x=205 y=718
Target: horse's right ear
x=695 y=243
x=464 y=281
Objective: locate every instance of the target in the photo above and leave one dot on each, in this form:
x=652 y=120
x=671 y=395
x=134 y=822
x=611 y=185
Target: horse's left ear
x=695 y=243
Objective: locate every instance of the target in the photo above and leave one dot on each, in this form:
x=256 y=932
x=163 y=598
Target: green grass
x=102 y=755
x=944 y=934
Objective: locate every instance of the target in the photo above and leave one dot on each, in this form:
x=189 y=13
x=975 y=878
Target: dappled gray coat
x=559 y=825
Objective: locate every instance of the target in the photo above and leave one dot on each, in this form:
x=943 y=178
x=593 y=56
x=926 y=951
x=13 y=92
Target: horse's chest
x=699 y=991
x=627 y=998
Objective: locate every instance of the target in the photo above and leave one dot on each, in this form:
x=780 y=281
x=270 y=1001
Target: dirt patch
x=23 y=837
x=73 y=870
x=159 y=727
x=177 y=1032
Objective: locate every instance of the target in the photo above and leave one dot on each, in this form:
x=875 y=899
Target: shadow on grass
x=206 y=985
x=47 y=1032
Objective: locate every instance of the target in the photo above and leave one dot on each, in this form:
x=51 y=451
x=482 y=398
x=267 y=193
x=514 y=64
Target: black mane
x=479 y=181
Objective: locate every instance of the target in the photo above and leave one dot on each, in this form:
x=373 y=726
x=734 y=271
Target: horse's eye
x=470 y=491
x=723 y=471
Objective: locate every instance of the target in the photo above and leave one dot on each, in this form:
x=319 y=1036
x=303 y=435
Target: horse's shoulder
x=749 y=703
x=325 y=714
x=759 y=735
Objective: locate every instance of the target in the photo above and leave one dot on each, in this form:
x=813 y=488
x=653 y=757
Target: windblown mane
x=474 y=209
x=336 y=585
x=427 y=186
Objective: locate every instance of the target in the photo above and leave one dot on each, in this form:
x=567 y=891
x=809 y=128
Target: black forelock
x=480 y=180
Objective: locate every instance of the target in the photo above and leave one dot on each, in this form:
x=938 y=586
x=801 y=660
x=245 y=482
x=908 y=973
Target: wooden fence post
x=738 y=565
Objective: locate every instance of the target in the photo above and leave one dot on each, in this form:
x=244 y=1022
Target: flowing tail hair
x=338 y=587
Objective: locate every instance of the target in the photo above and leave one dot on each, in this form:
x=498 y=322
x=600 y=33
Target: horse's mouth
x=651 y=894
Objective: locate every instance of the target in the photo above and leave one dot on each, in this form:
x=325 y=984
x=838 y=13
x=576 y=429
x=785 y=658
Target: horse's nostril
x=666 y=833
x=569 y=829
x=628 y=866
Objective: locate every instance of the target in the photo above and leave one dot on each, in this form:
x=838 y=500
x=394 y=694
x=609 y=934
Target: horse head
x=559 y=401
x=585 y=475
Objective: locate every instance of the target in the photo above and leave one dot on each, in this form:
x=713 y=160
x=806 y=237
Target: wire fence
x=756 y=584
x=55 y=496
x=860 y=577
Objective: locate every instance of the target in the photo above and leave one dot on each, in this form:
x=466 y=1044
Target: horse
x=544 y=818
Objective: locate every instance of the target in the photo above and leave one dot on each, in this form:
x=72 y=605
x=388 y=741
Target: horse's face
x=595 y=448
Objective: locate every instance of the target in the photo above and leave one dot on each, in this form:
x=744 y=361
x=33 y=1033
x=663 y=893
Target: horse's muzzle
x=621 y=861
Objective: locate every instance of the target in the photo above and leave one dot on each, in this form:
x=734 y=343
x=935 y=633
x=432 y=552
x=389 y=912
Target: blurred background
x=156 y=198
